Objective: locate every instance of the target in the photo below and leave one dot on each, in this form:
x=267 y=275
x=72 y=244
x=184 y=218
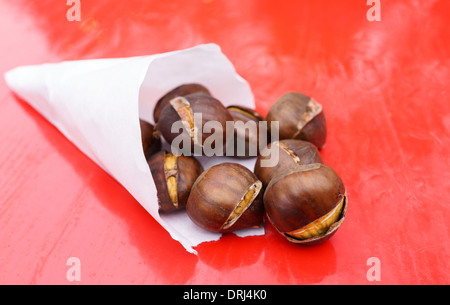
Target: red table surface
x=384 y=86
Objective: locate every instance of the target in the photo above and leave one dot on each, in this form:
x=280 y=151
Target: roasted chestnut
x=306 y=204
x=246 y=131
x=279 y=156
x=226 y=197
x=182 y=90
x=151 y=141
x=174 y=177
x=199 y=116
x=299 y=117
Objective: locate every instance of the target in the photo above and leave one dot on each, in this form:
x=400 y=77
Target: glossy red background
x=385 y=90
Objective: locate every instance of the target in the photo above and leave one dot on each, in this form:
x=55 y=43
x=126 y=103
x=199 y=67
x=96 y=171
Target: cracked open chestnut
x=226 y=197
x=246 y=131
x=299 y=117
x=151 y=141
x=289 y=154
x=182 y=90
x=199 y=116
x=174 y=177
x=306 y=204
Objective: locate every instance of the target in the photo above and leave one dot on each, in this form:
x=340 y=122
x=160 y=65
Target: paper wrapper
x=97 y=104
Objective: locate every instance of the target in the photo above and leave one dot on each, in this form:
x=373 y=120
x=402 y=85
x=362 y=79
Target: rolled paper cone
x=97 y=104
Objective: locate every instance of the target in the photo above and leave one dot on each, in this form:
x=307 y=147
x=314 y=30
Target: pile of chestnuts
x=304 y=199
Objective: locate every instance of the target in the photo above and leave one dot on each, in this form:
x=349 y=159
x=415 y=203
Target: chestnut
x=194 y=111
x=246 y=135
x=299 y=117
x=226 y=197
x=173 y=176
x=291 y=153
x=306 y=204
x=182 y=90
x=151 y=141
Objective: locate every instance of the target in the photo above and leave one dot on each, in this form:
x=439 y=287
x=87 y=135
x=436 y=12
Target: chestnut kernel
x=246 y=136
x=291 y=153
x=299 y=117
x=174 y=177
x=151 y=141
x=185 y=109
x=306 y=204
x=226 y=197
x=182 y=90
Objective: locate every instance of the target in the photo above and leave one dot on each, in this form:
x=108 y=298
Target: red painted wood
x=384 y=86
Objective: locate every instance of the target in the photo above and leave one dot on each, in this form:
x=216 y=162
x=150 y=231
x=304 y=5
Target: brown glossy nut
x=300 y=117
x=174 y=177
x=291 y=153
x=306 y=205
x=185 y=109
x=151 y=141
x=182 y=90
x=226 y=197
x=246 y=135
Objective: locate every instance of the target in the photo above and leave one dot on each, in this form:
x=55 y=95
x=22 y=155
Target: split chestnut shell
x=181 y=90
x=246 y=131
x=173 y=176
x=226 y=197
x=194 y=111
x=307 y=204
x=299 y=117
x=284 y=154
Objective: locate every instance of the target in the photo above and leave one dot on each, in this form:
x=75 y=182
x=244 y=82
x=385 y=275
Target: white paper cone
x=97 y=104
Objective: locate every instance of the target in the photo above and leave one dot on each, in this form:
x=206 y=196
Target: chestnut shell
x=151 y=141
x=300 y=117
x=249 y=135
x=188 y=170
x=299 y=196
x=323 y=237
x=216 y=193
x=181 y=90
x=211 y=110
x=291 y=153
